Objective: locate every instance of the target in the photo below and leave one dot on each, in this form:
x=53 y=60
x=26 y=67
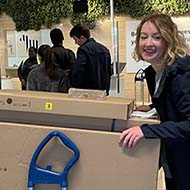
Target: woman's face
x=151 y=44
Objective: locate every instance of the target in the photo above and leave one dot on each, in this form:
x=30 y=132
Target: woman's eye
x=157 y=37
x=143 y=37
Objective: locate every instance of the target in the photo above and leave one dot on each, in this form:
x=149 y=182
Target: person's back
x=98 y=66
x=26 y=66
x=65 y=57
x=93 y=67
x=38 y=80
x=48 y=76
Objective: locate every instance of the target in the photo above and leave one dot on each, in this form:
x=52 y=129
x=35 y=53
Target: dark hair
x=32 y=47
x=42 y=50
x=56 y=36
x=80 y=30
x=51 y=65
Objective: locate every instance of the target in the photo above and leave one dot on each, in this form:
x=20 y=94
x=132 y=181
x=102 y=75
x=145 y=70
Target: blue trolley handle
x=46 y=176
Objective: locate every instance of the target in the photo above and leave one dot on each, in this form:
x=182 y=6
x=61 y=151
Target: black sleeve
x=171 y=130
x=19 y=71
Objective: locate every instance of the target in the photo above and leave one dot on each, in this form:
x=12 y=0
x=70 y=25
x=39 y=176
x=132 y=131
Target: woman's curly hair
x=174 y=39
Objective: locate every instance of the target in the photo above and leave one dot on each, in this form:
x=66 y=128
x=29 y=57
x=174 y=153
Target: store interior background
x=102 y=33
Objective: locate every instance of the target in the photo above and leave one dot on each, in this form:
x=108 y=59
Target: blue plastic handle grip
x=44 y=176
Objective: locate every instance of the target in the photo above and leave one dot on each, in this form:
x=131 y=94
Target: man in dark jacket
x=65 y=57
x=93 y=67
x=26 y=66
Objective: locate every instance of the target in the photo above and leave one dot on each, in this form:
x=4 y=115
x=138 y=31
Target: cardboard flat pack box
x=102 y=165
x=62 y=103
x=60 y=109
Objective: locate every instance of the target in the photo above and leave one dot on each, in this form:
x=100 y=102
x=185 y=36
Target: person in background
x=48 y=76
x=160 y=43
x=26 y=66
x=93 y=66
x=42 y=52
x=65 y=57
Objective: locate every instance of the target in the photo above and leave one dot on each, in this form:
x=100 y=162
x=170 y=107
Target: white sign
x=18 y=44
x=183 y=24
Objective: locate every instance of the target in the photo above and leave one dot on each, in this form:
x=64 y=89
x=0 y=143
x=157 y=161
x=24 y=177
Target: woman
x=168 y=77
x=48 y=76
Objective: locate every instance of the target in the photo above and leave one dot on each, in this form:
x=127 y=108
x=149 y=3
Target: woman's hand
x=130 y=137
x=23 y=82
x=144 y=108
x=67 y=72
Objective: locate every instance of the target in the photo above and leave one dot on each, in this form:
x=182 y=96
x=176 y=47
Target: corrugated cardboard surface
x=60 y=103
x=103 y=165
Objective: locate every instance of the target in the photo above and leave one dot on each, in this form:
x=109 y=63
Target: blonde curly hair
x=174 y=39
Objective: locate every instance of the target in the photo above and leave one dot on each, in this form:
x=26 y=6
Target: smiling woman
x=160 y=43
x=152 y=45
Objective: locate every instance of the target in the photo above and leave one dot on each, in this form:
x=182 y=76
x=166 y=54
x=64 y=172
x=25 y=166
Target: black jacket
x=93 y=67
x=65 y=58
x=172 y=102
x=25 y=67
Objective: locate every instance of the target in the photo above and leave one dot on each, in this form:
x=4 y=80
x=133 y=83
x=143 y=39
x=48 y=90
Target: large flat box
x=59 y=109
x=103 y=165
x=62 y=103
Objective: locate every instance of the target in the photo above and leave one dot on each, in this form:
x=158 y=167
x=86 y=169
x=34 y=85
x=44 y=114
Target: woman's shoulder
x=182 y=63
x=37 y=69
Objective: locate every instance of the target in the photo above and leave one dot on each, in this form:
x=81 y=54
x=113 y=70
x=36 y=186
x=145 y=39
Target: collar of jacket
x=180 y=66
x=89 y=40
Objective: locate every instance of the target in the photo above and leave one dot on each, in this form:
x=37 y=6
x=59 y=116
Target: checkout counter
x=93 y=125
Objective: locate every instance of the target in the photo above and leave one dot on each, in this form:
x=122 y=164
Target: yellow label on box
x=48 y=106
